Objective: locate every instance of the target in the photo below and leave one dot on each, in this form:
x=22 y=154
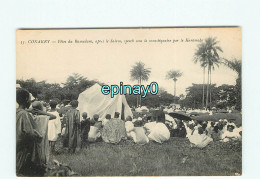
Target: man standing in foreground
x=72 y=133
x=26 y=135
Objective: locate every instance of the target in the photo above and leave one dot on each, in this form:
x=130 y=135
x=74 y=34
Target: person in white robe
x=104 y=121
x=94 y=132
x=230 y=134
x=54 y=126
x=129 y=126
x=200 y=139
x=159 y=133
x=139 y=136
x=149 y=126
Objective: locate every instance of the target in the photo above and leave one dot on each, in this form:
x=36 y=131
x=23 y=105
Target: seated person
x=215 y=133
x=197 y=125
x=230 y=135
x=104 y=121
x=200 y=139
x=210 y=127
x=231 y=122
x=180 y=131
x=94 y=132
x=140 y=137
x=159 y=133
x=149 y=125
x=129 y=126
x=189 y=129
x=114 y=130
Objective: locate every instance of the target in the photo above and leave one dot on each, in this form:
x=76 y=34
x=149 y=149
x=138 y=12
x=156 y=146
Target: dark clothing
x=72 y=132
x=26 y=138
x=159 y=116
x=85 y=128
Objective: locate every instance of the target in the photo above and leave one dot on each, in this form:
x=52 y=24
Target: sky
x=111 y=62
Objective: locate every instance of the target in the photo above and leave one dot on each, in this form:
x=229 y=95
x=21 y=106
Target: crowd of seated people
x=201 y=133
x=40 y=125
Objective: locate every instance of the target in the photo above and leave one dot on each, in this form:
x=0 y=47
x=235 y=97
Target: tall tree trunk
x=207 y=97
x=203 y=90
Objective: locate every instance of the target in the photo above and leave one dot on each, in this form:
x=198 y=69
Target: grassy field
x=174 y=158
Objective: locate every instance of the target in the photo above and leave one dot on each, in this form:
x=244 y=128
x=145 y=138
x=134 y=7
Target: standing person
x=54 y=126
x=26 y=135
x=85 y=127
x=40 y=155
x=72 y=132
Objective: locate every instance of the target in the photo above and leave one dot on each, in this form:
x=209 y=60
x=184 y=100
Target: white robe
x=54 y=127
x=129 y=126
x=93 y=134
x=188 y=130
x=229 y=136
x=139 y=136
x=159 y=133
x=104 y=121
x=149 y=126
x=200 y=140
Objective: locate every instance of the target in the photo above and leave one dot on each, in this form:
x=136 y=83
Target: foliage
x=222 y=96
x=235 y=65
x=74 y=85
x=173 y=74
x=139 y=72
x=207 y=55
x=152 y=101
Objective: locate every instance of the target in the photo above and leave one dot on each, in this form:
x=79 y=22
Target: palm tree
x=200 y=56
x=174 y=74
x=236 y=66
x=139 y=73
x=207 y=54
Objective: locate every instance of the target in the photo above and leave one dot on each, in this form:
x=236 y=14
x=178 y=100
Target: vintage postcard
x=129 y=102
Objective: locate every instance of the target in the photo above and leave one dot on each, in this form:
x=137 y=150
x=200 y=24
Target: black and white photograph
x=129 y=102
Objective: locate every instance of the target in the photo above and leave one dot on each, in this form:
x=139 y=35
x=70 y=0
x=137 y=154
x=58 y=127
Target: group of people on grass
x=38 y=129
x=201 y=133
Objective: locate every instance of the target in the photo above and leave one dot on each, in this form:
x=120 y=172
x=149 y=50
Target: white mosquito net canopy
x=93 y=101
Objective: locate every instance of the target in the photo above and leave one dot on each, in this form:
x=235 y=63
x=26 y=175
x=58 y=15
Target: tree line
x=206 y=54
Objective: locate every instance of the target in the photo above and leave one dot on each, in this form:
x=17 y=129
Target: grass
x=174 y=158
